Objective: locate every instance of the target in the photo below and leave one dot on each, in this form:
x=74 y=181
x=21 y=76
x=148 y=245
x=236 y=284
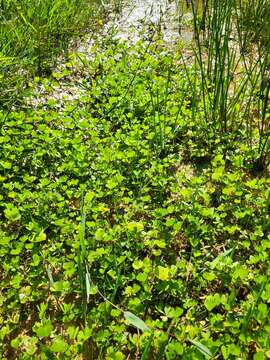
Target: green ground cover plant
x=132 y=222
x=98 y=210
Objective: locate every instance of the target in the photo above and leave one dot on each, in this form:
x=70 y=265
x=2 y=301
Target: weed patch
x=132 y=225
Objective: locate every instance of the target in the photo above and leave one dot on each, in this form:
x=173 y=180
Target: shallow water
x=138 y=19
x=138 y=16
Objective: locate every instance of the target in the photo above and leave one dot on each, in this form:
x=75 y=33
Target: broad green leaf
x=240 y=272
x=4 y=240
x=218 y=173
x=44 y=330
x=259 y=356
x=89 y=196
x=173 y=312
x=163 y=273
x=12 y=213
x=58 y=345
x=111 y=184
x=211 y=301
x=135 y=321
x=142 y=277
x=41 y=237
x=220 y=258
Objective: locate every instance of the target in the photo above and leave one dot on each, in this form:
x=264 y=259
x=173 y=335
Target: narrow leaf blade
x=203 y=349
x=136 y=321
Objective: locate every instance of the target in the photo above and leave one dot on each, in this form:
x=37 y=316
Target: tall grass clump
x=216 y=61
x=253 y=22
x=254 y=42
x=32 y=33
x=232 y=91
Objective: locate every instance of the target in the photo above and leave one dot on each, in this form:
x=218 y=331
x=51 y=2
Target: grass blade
x=203 y=349
x=136 y=321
